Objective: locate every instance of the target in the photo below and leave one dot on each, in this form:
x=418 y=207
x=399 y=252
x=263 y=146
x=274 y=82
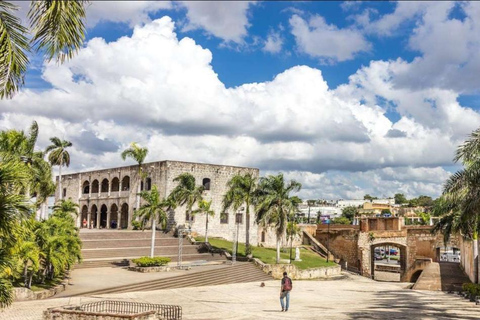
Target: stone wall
x=277 y=270
x=62 y=314
x=467 y=259
x=342 y=242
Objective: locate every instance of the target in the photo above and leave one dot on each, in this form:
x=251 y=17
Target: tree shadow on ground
x=410 y=304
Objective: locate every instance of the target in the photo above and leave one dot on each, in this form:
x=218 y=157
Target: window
x=187 y=218
x=263 y=236
x=86 y=187
x=126 y=183
x=141 y=185
x=64 y=192
x=206 y=183
x=148 y=184
x=224 y=218
x=239 y=218
x=104 y=186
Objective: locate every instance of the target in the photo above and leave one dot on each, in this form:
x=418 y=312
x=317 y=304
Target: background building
x=107 y=198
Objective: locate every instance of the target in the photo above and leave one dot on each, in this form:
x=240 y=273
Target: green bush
x=136 y=225
x=472 y=288
x=151 y=262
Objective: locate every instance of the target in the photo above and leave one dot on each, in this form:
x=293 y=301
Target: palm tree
x=154 y=209
x=186 y=193
x=138 y=154
x=59 y=156
x=275 y=205
x=57 y=28
x=66 y=209
x=205 y=207
x=292 y=231
x=241 y=191
x=460 y=200
x=310 y=203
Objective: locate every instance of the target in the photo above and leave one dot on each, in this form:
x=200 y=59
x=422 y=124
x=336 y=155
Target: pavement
x=92 y=279
x=352 y=297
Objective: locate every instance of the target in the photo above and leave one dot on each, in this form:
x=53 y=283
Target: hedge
x=472 y=288
x=151 y=262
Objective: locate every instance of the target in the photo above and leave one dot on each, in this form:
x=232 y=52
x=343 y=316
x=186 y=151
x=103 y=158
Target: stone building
x=107 y=198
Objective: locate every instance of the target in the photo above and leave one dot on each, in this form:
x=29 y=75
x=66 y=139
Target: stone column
x=108 y=219
x=109 y=187
x=89 y=187
x=99 y=216
x=119 y=217
x=89 y=218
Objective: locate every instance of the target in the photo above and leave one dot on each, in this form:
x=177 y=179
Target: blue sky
x=349 y=98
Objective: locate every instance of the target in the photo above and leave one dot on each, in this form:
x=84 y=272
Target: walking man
x=285 y=289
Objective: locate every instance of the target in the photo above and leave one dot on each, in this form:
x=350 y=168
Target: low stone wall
x=24 y=294
x=60 y=314
x=277 y=270
x=151 y=269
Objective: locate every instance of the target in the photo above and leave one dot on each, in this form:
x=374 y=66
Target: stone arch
x=86 y=187
x=124 y=216
x=104 y=187
x=115 y=184
x=84 y=217
x=103 y=216
x=206 y=183
x=126 y=183
x=94 y=217
x=95 y=186
x=399 y=268
x=114 y=216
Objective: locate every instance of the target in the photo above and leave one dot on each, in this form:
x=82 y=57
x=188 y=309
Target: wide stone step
x=238 y=273
x=123 y=262
x=135 y=252
x=118 y=234
x=127 y=243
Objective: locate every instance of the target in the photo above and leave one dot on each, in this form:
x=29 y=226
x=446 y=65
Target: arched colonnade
x=104 y=216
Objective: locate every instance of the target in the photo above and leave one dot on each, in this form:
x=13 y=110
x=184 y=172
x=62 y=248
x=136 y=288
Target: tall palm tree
x=155 y=209
x=292 y=231
x=275 y=205
x=460 y=200
x=310 y=203
x=241 y=191
x=66 y=209
x=204 y=207
x=186 y=193
x=59 y=156
x=138 y=154
x=57 y=28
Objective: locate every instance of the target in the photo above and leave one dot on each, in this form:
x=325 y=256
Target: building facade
x=108 y=198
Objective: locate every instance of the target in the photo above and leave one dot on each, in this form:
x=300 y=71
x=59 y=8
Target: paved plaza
x=352 y=297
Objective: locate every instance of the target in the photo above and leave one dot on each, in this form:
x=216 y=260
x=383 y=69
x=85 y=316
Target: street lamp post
x=238 y=218
x=328 y=239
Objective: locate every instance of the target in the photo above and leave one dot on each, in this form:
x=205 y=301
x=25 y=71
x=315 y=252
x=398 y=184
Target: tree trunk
x=60 y=177
x=152 y=250
x=30 y=280
x=247 y=227
x=278 y=248
x=206 y=229
x=25 y=274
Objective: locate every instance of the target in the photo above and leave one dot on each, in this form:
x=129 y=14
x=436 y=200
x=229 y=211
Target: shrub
x=136 y=225
x=472 y=288
x=151 y=262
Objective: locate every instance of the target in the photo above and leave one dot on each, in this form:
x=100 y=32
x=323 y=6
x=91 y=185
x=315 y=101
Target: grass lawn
x=267 y=255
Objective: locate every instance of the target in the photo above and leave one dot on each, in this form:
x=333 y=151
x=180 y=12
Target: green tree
x=186 y=193
x=369 y=197
x=155 y=209
x=400 y=198
x=57 y=29
x=241 y=191
x=350 y=212
x=59 y=156
x=275 y=204
x=138 y=154
x=341 y=220
x=292 y=231
x=385 y=211
x=204 y=207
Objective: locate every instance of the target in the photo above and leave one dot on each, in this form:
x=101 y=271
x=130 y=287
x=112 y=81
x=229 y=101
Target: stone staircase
x=114 y=248
x=241 y=272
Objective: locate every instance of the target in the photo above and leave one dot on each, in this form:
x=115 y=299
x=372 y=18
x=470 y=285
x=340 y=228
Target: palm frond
x=13 y=51
x=58 y=27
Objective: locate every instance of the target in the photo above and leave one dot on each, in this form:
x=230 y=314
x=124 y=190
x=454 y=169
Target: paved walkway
x=92 y=279
x=443 y=276
x=354 y=297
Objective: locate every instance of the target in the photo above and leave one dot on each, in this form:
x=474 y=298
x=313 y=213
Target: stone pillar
x=89 y=218
x=89 y=188
x=109 y=187
x=119 y=217
x=108 y=219
x=99 y=216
